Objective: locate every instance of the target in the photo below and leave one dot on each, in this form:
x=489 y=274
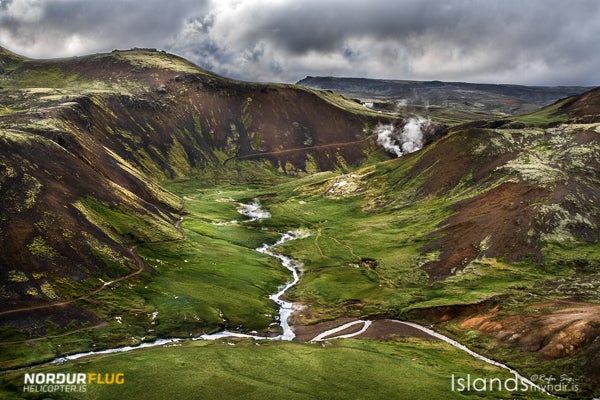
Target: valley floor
x=398 y=360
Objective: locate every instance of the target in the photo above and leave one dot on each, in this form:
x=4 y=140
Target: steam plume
x=407 y=139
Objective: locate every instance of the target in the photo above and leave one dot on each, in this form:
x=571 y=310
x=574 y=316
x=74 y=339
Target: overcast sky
x=534 y=42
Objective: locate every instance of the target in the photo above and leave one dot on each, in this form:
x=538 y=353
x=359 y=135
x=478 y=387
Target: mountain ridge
x=498 y=98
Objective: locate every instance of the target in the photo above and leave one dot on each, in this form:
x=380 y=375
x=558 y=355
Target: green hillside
x=122 y=177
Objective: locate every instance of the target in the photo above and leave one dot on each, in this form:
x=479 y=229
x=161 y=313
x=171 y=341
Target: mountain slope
x=490 y=233
x=84 y=141
x=582 y=108
x=475 y=233
x=9 y=60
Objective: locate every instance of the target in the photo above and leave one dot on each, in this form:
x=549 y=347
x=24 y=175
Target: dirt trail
x=136 y=258
x=307 y=148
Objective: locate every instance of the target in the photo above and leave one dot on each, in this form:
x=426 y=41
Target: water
x=285 y=307
x=255 y=213
x=157 y=342
x=472 y=353
x=323 y=335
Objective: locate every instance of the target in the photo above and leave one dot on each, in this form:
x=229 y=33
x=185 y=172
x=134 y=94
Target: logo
x=50 y=382
x=542 y=383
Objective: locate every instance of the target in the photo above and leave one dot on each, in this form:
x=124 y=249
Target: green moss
x=17 y=276
x=256 y=141
x=38 y=275
x=48 y=290
x=178 y=160
x=40 y=249
x=341 y=102
x=246 y=114
x=4 y=111
x=33 y=190
x=311 y=166
x=129 y=225
x=156 y=59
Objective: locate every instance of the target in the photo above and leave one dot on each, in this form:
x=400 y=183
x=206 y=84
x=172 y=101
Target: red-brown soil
x=381 y=329
x=584 y=107
x=503 y=213
x=552 y=330
x=168 y=121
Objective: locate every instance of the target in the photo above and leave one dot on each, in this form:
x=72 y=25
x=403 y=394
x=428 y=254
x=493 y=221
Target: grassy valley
x=122 y=187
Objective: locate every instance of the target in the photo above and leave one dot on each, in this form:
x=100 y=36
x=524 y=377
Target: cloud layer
x=546 y=42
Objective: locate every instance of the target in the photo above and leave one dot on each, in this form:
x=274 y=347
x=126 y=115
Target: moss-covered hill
x=477 y=232
x=490 y=233
x=84 y=142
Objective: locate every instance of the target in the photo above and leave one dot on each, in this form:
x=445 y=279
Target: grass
x=234 y=369
x=337 y=276
x=363 y=258
x=343 y=102
x=561 y=370
x=134 y=226
x=543 y=116
x=217 y=269
x=213 y=280
x=349 y=229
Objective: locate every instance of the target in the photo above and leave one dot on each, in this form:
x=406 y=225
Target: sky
x=530 y=42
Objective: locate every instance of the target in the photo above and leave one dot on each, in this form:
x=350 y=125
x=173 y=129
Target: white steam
x=407 y=140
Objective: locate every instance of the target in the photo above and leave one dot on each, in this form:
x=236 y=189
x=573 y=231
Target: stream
x=285 y=307
x=255 y=213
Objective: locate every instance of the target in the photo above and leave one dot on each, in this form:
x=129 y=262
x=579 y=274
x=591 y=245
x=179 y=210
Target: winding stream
x=285 y=307
x=255 y=213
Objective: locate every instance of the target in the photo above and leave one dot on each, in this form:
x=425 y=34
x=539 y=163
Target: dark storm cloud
x=504 y=40
x=512 y=41
x=69 y=27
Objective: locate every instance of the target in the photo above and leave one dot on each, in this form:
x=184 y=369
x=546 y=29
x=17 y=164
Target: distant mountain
x=492 y=98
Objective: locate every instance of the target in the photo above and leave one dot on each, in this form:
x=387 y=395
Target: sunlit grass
x=234 y=369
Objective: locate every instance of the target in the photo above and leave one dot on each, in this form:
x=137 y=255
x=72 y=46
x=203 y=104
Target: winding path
x=134 y=255
x=327 y=335
x=297 y=149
